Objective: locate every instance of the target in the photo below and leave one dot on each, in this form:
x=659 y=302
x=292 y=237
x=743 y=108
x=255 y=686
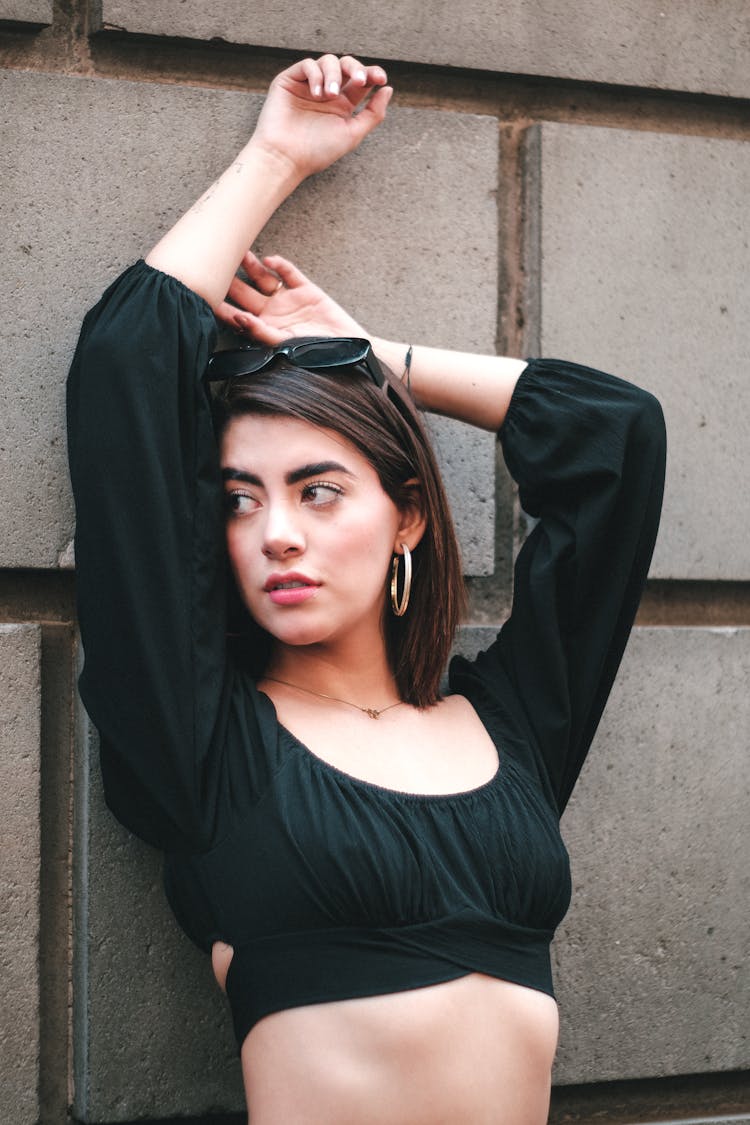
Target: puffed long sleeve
x=588 y=453
x=150 y=556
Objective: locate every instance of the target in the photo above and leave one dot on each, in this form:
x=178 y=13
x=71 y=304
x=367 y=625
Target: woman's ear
x=412 y=521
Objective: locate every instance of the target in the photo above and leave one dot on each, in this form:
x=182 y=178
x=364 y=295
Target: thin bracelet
x=407 y=369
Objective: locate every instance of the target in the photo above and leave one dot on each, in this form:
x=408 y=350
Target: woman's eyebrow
x=240 y=474
x=318 y=468
x=304 y=472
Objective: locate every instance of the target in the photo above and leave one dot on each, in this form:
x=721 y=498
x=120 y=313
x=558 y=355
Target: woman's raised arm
x=150 y=558
x=473 y=388
x=308 y=121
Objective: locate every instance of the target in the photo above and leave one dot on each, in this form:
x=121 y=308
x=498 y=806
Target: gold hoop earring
x=399 y=608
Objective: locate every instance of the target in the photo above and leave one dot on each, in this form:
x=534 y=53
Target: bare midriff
x=474 y=1050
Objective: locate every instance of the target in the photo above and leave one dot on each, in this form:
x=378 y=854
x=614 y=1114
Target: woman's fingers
x=323 y=75
x=360 y=80
x=259 y=274
x=329 y=76
x=245 y=295
x=355 y=85
x=264 y=283
x=331 y=70
x=227 y=314
x=312 y=73
x=248 y=324
x=256 y=327
x=373 y=112
x=286 y=271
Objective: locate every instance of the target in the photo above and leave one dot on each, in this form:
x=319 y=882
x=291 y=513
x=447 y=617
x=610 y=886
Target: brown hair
x=384 y=425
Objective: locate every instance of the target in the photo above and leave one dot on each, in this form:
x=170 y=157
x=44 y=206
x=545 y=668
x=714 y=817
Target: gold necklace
x=371 y=711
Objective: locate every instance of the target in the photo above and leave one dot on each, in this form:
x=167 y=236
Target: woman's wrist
x=389 y=352
x=278 y=168
x=204 y=248
x=472 y=388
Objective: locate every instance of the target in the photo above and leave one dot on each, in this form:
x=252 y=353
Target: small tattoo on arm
x=200 y=203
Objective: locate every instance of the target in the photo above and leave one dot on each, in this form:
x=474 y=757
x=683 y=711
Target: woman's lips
x=290 y=590
x=292 y=595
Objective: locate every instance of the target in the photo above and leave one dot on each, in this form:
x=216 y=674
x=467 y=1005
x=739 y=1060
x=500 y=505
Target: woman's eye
x=239 y=503
x=321 y=493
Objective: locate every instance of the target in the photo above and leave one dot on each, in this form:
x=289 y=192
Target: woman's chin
x=299 y=636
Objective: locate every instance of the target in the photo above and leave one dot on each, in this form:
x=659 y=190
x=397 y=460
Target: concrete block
x=638 y=258
x=20 y=703
x=699 y=45
x=35 y=12
x=651 y=962
x=414 y=201
x=467 y=462
x=152 y=1031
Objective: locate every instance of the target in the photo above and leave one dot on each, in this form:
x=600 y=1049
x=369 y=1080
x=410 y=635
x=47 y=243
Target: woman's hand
x=308 y=119
x=282 y=302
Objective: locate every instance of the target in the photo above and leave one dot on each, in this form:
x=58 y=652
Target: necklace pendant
x=371 y=712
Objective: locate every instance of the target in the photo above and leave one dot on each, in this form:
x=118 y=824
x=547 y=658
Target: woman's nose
x=282 y=533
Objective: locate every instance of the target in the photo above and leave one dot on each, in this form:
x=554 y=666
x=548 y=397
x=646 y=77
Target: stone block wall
x=553 y=178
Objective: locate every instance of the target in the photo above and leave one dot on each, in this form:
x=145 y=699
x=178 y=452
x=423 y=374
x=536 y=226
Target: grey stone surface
x=36 y=12
x=152 y=1032
x=640 y=267
x=651 y=962
x=701 y=45
x=383 y=231
x=19 y=872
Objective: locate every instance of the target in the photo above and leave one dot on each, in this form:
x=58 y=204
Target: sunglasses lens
x=238 y=361
x=329 y=353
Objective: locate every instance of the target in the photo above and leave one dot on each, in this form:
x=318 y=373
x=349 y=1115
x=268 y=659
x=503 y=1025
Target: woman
x=378 y=896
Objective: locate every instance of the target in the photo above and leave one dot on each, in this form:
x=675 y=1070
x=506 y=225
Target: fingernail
x=317 y=91
x=333 y=87
x=360 y=76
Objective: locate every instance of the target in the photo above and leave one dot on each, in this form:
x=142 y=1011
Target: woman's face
x=310 y=531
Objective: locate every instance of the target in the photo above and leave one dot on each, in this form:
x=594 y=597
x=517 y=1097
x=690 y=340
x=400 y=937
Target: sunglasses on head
x=313 y=353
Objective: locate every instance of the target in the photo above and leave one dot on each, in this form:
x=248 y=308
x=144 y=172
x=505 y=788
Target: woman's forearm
x=316 y=112
x=204 y=248
x=472 y=388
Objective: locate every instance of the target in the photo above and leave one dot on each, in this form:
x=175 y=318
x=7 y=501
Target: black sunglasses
x=314 y=353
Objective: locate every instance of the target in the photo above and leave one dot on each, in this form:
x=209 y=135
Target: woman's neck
x=350 y=671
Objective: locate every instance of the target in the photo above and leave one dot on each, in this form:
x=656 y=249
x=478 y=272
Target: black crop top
x=327 y=886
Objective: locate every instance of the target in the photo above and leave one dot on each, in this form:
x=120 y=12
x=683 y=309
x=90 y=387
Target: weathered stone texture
x=700 y=45
x=651 y=962
x=152 y=1032
x=128 y=157
x=19 y=872
x=35 y=12
x=640 y=267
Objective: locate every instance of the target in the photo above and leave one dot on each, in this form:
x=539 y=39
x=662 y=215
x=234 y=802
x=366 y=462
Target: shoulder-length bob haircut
x=385 y=427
